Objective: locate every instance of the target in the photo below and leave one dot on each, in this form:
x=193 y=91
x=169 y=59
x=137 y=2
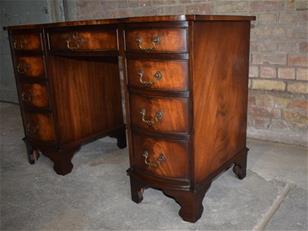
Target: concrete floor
x=96 y=196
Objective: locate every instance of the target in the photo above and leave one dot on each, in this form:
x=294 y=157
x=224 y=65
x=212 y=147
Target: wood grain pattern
x=164 y=18
x=174 y=74
x=27 y=41
x=101 y=40
x=30 y=66
x=34 y=95
x=185 y=128
x=220 y=85
x=175 y=153
x=39 y=126
x=170 y=40
x=87 y=96
x=174 y=113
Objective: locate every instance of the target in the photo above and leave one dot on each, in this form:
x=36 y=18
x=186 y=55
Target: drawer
x=164 y=158
x=39 y=126
x=159 y=75
x=156 y=40
x=27 y=41
x=160 y=114
x=102 y=40
x=30 y=66
x=34 y=95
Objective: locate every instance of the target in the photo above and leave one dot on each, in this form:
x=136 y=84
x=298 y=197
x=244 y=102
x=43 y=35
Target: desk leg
x=32 y=153
x=120 y=135
x=62 y=160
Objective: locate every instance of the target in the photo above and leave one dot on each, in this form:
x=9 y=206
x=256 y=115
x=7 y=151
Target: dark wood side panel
x=220 y=85
x=87 y=96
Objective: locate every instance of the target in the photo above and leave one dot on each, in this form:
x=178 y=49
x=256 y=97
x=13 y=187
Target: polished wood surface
x=156 y=40
x=186 y=89
x=221 y=100
x=158 y=75
x=30 y=66
x=87 y=96
x=161 y=157
x=165 y=18
x=65 y=100
x=34 y=95
x=92 y=40
x=27 y=41
x=160 y=114
x=206 y=105
x=39 y=126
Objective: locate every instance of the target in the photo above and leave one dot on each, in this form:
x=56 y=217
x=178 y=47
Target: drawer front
x=156 y=40
x=30 y=66
x=39 y=126
x=160 y=75
x=160 y=157
x=34 y=95
x=27 y=42
x=83 y=40
x=160 y=114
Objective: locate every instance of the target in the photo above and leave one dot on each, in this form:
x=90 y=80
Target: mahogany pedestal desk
x=186 y=92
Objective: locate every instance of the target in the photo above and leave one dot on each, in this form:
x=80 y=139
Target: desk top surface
x=147 y=19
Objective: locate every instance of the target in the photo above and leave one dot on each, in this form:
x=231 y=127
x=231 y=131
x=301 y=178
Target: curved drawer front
x=156 y=40
x=34 y=95
x=27 y=42
x=30 y=66
x=159 y=157
x=83 y=40
x=160 y=114
x=39 y=126
x=160 y=75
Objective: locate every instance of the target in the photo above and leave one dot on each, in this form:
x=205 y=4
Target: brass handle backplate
x=22 y=68
x=150 y=122
x=154 y=43
x=153 y=164
x=74 y=41
x=19 y=44
x=157 y=76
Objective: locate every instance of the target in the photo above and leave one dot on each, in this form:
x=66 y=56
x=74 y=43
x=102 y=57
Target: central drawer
x=92 y=40
x=160 y=114
x=164 y=158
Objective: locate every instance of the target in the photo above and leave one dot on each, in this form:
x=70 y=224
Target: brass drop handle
x=74 y=41
x=72 y=45
x=26 y=97
x=153 y=164
x=19 y=44
x=154 y=41
x=150 y=122
x=22 y=68
x=32 y=129
x=157 y=76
